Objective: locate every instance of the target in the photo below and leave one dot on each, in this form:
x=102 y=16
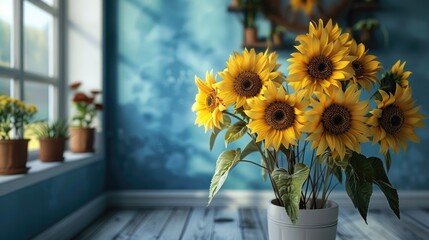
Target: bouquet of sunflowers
x=14 y=114
x=308 y=126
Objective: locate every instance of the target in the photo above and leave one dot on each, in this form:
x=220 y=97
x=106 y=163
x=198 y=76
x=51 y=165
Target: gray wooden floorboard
x=226 y=224
x=152 y=226
x=251 y=229
x=128 y=230
x=175 y=224
x=245 y=223
x=200 y=224
x=110 y=228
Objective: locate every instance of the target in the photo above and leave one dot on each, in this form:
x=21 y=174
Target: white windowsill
x=40 y=171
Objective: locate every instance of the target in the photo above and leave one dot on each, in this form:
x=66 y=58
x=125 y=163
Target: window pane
x=4 y=86
x=37 y=94
x=38 y=40
x=6 y=26
x=49 y=2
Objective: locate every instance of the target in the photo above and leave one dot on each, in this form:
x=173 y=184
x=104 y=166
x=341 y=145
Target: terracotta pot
x=312 y=223
x=250 y=36
x=234 y=3
x=52 y=149
x=277 y=39
x=82 y=140
x=13 y=156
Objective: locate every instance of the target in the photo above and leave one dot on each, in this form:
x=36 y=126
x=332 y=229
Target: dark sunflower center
x=320 y=67
x=248 y=84
x=279 y=115
x=336 y=119
x=358 y=67
x=392 y=119
x=211 y=101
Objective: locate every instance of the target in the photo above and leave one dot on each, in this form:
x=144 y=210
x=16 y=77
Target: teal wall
x=156 y=48
x=29 y=211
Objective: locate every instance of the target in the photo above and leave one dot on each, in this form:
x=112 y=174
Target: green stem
x=234 y=116
x=325 y=184
x=269 y=169
x=247 y=161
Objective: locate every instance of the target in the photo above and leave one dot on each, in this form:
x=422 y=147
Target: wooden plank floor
x=244 y=223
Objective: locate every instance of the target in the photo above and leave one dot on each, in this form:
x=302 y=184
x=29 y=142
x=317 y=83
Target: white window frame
x=17 y=73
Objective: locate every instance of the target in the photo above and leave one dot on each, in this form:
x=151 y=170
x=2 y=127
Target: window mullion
x=18 y=49
x=61 y=51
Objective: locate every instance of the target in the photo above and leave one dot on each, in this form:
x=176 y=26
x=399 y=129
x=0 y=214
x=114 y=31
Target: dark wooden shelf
x=262 y=46
x=364 y=6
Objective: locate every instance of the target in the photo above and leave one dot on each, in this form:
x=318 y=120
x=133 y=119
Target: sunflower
x=365 y=66
x=278 y=118
x=334 y=32
x=272 y=57
x=337 y=121
x=394 y=120
x=305 y=5
x=319 y=64
x=246 y=76
x=398 y=71
x=396 y=76
x=207 y=104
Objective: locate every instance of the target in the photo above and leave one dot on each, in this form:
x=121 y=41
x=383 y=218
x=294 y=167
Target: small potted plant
x=14 y=114
x=82 y=134
x=52 y=138
x=277 y=35
x=250 y=31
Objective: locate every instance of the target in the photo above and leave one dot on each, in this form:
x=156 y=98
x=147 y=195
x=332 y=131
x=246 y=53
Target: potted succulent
x=81 y=133
x=14 y=114
x=308 y=128
x=52 y=138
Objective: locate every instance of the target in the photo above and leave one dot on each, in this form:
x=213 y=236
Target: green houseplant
x=308 y=127
x=250 y=31
x=82 y=133
x=14 y=114
x=52 y=138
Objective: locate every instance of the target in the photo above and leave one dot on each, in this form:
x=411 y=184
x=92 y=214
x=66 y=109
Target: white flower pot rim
x=307 y=218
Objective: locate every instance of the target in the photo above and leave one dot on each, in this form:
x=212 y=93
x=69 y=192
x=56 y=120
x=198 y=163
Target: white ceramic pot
x=320 y=224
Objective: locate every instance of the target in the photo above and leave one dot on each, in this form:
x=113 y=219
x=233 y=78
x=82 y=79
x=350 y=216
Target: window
x=30 y=49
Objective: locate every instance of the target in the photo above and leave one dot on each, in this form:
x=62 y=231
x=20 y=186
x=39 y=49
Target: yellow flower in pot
x=52 y=138
x=81 y=133
x=308 y=130
x=14 y=114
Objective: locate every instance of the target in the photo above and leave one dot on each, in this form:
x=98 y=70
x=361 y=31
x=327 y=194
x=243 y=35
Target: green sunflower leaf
x=336 y=170
x=226 y=161
x=382 y=181
x=226 y=123
x=235 y=132
x=264 y=169
x=359 y=175
x=387 y=160
x=289 y=187
x=251 y=147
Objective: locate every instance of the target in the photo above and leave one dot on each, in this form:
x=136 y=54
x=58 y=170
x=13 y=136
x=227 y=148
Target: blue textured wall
x=29 y=211
x=162 y=44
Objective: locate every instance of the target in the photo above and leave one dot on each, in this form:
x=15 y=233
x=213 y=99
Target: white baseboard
x=244 y=198
x=75 y=222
